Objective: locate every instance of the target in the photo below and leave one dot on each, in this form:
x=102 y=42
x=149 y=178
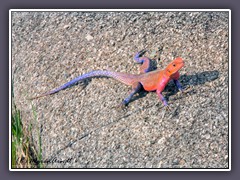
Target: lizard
x=147 y=79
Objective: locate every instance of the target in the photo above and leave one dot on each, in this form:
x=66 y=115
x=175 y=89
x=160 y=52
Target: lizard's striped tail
x=125 y=78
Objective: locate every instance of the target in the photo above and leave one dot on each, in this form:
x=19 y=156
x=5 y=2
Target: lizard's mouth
x=179 y=61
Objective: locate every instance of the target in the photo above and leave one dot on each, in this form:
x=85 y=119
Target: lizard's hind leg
x=135 y=88
x=146 y=64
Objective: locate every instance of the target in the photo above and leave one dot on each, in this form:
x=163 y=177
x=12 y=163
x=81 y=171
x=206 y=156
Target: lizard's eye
x=174 y=65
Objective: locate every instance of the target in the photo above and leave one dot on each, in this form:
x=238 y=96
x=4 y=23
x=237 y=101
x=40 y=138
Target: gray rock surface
x=80 y=127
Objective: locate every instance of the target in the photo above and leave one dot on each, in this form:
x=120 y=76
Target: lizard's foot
x=180 y=92
x=167 y=107
x=122 y=105
x=185 y=90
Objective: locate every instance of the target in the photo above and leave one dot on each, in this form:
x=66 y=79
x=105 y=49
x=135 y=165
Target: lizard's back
x=151 y=80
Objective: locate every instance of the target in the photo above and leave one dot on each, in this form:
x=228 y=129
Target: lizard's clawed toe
x=167 y=108
x=122 y=106
x=185 y=90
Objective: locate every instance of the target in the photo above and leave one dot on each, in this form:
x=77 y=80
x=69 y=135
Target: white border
x=118 y=10
x=229 y=90
x=10 y=90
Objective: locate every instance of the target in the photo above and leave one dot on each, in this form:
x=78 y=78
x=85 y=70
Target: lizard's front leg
x=179 y=86
x=162 y=98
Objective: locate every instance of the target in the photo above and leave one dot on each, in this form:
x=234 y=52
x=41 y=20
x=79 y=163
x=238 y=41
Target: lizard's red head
x=174 y=66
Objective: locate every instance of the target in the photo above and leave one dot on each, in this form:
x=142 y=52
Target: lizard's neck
x=171 y=76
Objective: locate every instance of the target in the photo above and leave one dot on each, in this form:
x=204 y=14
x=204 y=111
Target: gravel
x=81 y=127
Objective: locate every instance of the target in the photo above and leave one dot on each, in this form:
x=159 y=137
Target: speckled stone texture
x=81 y=127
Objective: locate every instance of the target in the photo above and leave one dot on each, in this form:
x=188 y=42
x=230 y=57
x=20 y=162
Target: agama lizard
x=148 y=80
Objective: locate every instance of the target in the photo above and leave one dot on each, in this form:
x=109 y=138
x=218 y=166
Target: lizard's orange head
x=174 y=66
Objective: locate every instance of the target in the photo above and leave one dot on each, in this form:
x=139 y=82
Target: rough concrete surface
x=81 y=127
